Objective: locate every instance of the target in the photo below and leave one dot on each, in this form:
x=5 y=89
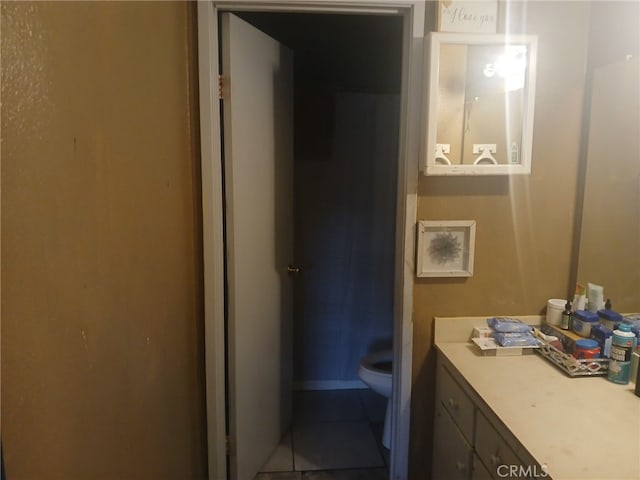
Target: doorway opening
x=347 y=72
x=229 y=455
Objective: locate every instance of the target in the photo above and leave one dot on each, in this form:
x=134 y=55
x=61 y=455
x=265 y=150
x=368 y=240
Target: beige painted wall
x=525 y=224
x=101 y=306
x=102 y=342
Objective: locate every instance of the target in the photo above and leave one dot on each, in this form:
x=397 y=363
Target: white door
x=258 y=164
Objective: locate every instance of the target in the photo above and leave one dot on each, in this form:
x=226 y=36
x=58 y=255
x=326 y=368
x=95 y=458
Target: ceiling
x=355 y=53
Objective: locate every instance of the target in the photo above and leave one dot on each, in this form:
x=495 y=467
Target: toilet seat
x=373 y=360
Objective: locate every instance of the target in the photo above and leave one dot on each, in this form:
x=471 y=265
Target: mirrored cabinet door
x=480 y=102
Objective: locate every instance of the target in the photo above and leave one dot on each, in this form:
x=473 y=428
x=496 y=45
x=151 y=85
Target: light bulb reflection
x=510 y=66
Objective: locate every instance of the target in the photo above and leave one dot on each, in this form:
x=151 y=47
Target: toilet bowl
x=375 y=371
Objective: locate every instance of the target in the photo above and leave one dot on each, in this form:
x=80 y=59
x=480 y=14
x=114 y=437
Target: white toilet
x=375 y=370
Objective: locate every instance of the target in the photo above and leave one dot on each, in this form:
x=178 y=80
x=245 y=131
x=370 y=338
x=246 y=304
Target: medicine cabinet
x=480 y=104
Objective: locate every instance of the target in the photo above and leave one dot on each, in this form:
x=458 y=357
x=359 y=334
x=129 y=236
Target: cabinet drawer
x=452 y=455
x=494 y=451
x=479 y=471
x=456 y=402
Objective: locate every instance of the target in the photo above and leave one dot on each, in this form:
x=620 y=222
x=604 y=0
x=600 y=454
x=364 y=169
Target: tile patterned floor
x=335 y=445
x=355 y=474
x=336 y=435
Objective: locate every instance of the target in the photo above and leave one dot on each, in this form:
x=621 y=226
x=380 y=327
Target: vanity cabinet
x=480 y=472
x=470 y=443
x=452 y=449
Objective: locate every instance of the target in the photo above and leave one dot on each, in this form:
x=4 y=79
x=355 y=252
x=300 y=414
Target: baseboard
x=329 y=385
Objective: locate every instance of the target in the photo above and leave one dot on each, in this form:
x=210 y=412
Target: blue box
x=603 y=336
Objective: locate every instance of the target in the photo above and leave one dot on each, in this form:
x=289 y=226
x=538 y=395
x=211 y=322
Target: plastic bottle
x=567 y=317
x=622 y=346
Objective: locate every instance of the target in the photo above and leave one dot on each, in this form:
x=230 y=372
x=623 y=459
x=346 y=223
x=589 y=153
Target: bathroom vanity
x=520 y=417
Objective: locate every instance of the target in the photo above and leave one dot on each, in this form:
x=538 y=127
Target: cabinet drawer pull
x=461 y=466
x=452 y=403
x=496 y=460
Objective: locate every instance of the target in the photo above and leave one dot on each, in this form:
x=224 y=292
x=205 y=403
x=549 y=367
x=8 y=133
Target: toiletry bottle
x=567 y=317
x=607 y=304
x=622 y=346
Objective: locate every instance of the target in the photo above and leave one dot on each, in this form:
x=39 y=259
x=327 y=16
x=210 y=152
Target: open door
x=257 y=112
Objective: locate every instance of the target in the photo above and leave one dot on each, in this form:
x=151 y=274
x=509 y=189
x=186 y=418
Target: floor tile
x=378 y=429
x=282 y=458
x=375 y=405
x=359 y=474
x=325 y=446
x=279 y=476
x=327 y=406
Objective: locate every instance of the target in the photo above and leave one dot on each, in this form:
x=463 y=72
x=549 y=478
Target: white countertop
x=580 y=428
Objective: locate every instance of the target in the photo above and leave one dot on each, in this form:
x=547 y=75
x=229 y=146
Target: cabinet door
x=452 y=455
x=479 y=471
x=456 y=402
x=494 y=451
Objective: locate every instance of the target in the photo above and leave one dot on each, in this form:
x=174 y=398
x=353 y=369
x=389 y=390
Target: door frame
x=414 y=15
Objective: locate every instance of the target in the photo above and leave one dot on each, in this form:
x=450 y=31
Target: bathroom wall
x=102 y=342
x=345 y=228
x=101 y=306
x=524 y=236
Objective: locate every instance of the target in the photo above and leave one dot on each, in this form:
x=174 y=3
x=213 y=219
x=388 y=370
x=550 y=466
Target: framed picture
x=445 y=248
x=472 y=16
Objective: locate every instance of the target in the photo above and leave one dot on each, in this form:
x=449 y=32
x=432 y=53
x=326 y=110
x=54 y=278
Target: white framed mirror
x=480 y=104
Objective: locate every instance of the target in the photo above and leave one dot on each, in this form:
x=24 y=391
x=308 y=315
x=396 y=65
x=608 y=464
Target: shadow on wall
x=380 y=344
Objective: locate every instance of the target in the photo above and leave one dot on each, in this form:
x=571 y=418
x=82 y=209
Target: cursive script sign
x=467 y=17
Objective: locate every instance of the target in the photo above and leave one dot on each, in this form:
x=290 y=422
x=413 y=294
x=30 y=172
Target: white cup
x=555 y=307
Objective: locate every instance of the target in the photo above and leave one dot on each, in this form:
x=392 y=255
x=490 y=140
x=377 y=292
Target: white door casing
x=413 y=12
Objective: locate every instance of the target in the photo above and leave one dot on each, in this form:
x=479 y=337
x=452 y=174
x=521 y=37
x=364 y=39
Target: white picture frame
x=445 y=248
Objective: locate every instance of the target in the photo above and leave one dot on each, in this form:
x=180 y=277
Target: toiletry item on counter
x=634 y=321
x=635 y=360
x=595 y=297
x=566 y=321
x=582 y=322
x=602 y=335
x=554 y=311
x=622 y=346
x=586 y=348
x=550 y=339
x=515 y=339
x=637 y=390
x=508 y=325
x=566 y=337
x=609 y=318
x=481 y=332
x=580 y=298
